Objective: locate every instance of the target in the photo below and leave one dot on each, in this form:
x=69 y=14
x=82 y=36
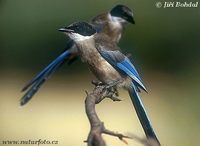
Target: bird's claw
x=97 y=83
x=115 y=98
x=112 y=92
x=108 y=90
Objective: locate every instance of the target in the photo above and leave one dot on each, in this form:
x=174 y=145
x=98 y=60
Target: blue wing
x=39 y=79
x=120 y=62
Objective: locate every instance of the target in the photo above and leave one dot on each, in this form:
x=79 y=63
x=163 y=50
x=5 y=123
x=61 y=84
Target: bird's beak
x=131 y=20
x=65 y=30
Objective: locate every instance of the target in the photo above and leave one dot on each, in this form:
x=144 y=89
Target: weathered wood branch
x=97 y=127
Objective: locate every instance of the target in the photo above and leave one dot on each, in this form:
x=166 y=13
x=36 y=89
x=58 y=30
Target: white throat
x=116 y=21
x=77 y=37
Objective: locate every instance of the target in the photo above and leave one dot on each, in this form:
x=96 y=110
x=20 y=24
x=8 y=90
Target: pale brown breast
x=97 y=64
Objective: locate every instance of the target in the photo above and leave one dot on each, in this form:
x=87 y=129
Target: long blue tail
x=39 y=79
x=142 y=115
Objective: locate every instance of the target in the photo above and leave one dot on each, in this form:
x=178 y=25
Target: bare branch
x=97 y=128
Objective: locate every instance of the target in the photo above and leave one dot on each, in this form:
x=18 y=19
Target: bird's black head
x=123 y=12
x=81 y=28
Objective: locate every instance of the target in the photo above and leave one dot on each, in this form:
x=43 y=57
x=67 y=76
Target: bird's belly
x=105 y=72
x=97 y=64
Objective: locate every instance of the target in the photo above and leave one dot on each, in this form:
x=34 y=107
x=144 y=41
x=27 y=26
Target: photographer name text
x=180 y=4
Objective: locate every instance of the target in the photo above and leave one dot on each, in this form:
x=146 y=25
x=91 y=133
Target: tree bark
x=97 y=128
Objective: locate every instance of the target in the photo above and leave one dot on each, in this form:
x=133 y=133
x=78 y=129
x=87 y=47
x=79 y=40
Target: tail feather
x=142 y=115
x=37 y=81
x=29 y=94
x=59 y=59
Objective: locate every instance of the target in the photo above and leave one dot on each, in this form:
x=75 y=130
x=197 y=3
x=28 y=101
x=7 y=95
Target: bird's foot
x=112 y=91
x=97 y=83
x=108 y=94
x=114 y=98
x=107 y=90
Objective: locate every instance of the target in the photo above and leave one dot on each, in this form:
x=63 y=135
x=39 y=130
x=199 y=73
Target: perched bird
x=110 y=66
x=111 y=23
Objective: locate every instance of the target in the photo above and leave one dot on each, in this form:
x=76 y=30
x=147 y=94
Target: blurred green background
x=165 y=47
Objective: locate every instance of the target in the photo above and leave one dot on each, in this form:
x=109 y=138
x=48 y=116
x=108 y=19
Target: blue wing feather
x=123 y=64
x=130 y=70
x=130 y=66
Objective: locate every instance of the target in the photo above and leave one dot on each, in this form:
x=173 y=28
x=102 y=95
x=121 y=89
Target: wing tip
x=144 y=88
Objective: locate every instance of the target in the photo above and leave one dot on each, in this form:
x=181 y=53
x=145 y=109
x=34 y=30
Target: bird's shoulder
x=106 y=46
x=103 y=41
x=99 y=19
